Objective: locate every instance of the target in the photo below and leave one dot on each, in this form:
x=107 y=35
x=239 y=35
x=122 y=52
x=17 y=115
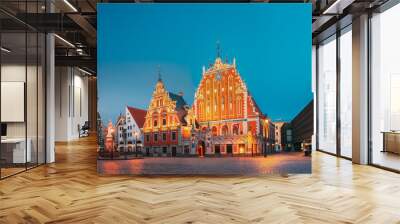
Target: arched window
x=155 y=119
x=214 y=131
x=164 y=119
x=236 y=129
x=225 y=130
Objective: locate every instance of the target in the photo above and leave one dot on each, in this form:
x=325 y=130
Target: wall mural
x=162 y=111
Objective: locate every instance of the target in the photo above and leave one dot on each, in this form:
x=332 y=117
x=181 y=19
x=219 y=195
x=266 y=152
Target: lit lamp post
x=125 y=146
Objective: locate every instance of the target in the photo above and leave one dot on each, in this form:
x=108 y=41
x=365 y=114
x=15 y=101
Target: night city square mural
x=203 y=89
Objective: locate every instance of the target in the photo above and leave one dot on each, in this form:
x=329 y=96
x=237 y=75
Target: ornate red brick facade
x=224 y=118
x=224 y=107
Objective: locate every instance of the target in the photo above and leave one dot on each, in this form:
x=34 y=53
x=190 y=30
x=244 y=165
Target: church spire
x=218 y=49
x=159 y=73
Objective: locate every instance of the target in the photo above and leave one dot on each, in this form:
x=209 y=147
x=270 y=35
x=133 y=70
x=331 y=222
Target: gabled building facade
x=129 y=126
x=135 y=119
x=166 y=130
x=230 y=122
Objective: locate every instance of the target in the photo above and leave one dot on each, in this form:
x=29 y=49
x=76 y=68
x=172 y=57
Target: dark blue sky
x=271 y=43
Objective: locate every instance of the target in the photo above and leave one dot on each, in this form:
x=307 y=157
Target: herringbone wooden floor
x=70 y=191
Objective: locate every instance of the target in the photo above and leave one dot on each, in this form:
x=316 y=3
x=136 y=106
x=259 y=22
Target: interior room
x=22 y=100
x=52 y=134
x=385 y=89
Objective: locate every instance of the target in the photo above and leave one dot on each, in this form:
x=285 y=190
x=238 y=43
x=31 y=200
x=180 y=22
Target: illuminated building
x=120 y=133
x=129 y=134
x=230 y=120
x=278 y=135
x=135 y=119
x=167 y=131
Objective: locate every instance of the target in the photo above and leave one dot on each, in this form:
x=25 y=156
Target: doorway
x=173 y=151
x=217 y=149
x=229 y=149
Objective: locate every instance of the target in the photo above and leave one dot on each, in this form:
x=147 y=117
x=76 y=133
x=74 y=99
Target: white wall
x=71 y=102
x=33 y=127
x=13 y=73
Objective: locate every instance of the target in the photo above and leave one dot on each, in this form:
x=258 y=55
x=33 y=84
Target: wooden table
x=391 y=141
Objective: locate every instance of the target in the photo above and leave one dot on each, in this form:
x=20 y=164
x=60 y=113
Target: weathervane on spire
x=218 y=49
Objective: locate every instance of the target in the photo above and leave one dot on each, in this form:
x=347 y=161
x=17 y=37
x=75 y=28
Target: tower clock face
x=218 y=76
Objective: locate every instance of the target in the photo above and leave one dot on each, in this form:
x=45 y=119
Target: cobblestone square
x=282 y=163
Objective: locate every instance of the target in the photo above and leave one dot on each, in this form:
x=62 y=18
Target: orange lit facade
x=166 y=129
x=230 y=122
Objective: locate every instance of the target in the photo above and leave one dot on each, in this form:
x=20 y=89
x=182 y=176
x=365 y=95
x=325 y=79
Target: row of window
x=163 y=137
x=225 y=131
x=130 y=127
x=238 y=107
x=129 y=134
x=164 y=122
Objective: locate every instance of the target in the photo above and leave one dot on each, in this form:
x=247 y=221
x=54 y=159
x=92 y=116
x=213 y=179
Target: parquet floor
x=70 y=191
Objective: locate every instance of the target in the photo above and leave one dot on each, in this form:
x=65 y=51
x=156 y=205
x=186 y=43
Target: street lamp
x=125 y=146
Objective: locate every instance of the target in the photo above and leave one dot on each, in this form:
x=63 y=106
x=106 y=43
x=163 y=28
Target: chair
x=84 y=130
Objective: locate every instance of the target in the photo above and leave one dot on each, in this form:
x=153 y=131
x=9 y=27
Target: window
x=147 y=138
x=21 y=61
x=225 y=130
x=327 y=95
x=164 y=137
x=155 y=123
x=214 y=131
x=187 y=150
x=346 y=93
x=385 y=88
x=155 y=137
x=235 y=129
x=173 y=137
x=164 y=121
x=164 y=150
